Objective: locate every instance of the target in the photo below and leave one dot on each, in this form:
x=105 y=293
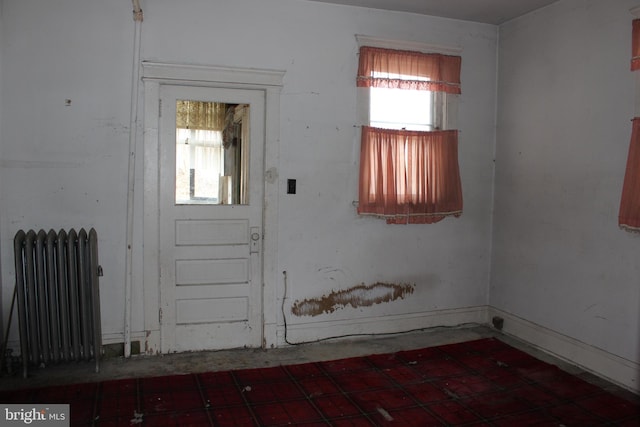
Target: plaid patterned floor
x=483 y=382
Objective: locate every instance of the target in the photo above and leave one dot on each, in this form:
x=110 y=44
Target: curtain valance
x=635 y=45
x=390 y=68
x=200 y=115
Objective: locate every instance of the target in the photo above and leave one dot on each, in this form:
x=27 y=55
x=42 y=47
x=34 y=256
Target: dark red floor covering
x=477 y=383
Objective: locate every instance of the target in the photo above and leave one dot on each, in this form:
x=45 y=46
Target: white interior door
x=211 y=209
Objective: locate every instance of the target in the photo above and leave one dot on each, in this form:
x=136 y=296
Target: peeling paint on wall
x=358 y=296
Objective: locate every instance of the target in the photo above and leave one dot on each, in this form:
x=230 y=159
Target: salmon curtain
x=409 y=177
x=635 y=45
x=400 y=69
x=629 y=216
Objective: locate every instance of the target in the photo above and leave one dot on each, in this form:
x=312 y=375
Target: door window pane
x=212 y=146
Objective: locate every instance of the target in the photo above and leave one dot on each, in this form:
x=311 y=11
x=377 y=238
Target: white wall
x=323 y=245
x=66 y=166
x=564 y=108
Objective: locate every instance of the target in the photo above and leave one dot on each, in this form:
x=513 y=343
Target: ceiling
x=487 y=11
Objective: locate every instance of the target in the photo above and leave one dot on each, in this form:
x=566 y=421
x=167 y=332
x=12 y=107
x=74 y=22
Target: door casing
x=154 y=75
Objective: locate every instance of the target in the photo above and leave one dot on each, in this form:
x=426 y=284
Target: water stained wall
x=358 y=296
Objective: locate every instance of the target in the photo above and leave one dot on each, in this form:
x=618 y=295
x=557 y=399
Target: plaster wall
x=65 y=166
x=564 y=108
x=66 y=85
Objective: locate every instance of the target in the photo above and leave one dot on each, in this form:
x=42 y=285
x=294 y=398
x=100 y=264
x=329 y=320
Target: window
x=199 y=166
x=409 y=145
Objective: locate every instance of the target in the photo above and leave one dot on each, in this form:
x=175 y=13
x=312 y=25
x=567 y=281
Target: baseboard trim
x=108 y=339
x=618 y=370
x=298 y=333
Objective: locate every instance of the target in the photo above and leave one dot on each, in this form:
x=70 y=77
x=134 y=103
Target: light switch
x=291 y=186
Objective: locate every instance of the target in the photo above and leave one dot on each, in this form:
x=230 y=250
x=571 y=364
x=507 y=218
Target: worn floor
x=149 y=366
x=468 y=376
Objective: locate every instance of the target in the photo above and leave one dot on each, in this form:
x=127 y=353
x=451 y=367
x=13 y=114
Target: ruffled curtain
x=200 y=115
x=409 y=177
x=629 y=214
x=635 y=45
x=400 y=69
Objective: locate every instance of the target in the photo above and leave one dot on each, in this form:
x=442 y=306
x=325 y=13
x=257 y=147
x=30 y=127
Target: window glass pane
x=401 y=109
x=199 y=166
x=211 y=159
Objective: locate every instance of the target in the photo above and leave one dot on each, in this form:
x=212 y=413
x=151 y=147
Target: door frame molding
x=154 y=75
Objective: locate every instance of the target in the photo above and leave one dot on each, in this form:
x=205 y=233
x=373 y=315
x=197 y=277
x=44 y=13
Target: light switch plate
x=291 y=186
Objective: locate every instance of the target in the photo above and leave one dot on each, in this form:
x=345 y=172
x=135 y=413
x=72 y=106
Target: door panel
x=211 y=198
x=219 y=309
x=211 y=232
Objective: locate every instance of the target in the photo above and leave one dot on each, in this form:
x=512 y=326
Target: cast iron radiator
x=58 y=297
